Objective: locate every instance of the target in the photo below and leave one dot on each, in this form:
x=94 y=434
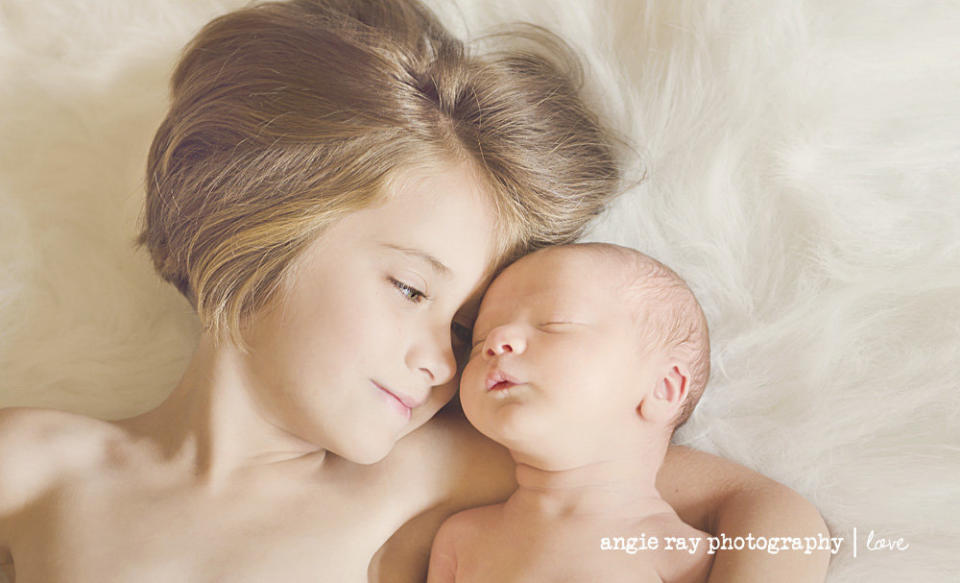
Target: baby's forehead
x=568 y=276
x=561 y=274
x=627 y=280
x=575 y=267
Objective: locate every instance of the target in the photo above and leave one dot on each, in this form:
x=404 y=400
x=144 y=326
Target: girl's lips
x=396 y=401
x=407 y=400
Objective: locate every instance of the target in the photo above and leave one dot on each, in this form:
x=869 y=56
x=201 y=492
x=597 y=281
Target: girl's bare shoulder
x=453 y=467
x=40 y=446
x=462 y=467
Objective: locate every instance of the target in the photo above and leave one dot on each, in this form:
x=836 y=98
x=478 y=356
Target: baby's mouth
x=501 y=386
x=498 y=380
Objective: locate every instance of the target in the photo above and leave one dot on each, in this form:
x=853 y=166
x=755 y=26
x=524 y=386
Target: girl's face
x=363 y=347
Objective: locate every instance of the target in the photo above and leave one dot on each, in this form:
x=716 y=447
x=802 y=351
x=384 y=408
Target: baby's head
x=583 y=350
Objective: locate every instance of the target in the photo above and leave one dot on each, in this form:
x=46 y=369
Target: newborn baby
x=585 y=359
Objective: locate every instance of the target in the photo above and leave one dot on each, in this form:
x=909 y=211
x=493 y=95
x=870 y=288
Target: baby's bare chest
x=567 y=555
x=107 y=532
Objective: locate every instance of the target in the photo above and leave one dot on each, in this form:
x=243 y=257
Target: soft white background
x=802 y=173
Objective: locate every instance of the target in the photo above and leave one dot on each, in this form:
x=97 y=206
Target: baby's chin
x=533 y=439
x=514 y=425
x=555 y=457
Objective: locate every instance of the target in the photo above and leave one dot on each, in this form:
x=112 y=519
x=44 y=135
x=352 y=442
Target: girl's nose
x=433 y=357
x=504 y=339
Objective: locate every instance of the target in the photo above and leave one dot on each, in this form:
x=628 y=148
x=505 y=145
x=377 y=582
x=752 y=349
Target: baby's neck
x=614 y=488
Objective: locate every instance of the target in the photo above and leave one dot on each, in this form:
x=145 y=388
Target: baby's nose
x=504 y=339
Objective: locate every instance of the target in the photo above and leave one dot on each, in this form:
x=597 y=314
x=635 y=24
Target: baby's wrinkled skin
x=558 y=375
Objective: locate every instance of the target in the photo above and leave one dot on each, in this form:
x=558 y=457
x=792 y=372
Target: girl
x=334 y=185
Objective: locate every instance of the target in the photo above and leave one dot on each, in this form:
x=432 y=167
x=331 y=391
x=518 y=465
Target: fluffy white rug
x=802 y=173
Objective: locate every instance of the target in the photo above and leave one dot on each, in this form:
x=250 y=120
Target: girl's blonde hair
x=285 y=116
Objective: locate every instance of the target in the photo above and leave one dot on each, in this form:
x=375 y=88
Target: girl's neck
x=211 y=424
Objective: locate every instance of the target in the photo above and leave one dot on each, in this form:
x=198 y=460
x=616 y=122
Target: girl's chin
x=419 y=418
x=368 y=448
x=367 y=453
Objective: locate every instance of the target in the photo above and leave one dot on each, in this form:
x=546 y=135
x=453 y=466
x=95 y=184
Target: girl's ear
x=664 y=400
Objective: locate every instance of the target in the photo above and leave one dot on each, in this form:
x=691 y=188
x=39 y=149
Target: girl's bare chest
x=151 y=534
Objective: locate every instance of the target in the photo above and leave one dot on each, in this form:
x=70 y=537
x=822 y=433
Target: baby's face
x=555 y=360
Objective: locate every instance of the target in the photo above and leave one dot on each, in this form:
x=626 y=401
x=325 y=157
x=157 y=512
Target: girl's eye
x=411 y=293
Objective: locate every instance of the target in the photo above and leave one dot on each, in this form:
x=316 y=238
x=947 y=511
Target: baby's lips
x=497 y=379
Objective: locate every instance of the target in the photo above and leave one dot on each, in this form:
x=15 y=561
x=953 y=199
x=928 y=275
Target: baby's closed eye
x=547 y=326
x=559 y=325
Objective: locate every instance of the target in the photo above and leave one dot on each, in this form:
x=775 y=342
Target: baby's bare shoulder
x=464 y=528
x=682 y=549
x=40 y=446
x=479 y=519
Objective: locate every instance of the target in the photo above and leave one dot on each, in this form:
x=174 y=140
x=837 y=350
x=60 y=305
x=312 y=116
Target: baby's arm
x=720 y=496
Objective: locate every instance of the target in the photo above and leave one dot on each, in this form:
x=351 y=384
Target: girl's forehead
x=509 y=222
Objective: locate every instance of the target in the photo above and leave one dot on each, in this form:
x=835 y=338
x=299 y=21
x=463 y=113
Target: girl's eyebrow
x=432 y=261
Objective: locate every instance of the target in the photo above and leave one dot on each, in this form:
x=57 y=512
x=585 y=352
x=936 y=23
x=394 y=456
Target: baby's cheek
x=468 y=375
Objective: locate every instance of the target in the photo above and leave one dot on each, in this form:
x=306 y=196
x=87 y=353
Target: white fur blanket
x=802 y=173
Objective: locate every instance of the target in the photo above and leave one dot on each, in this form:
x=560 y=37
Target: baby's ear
x=664 y=400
